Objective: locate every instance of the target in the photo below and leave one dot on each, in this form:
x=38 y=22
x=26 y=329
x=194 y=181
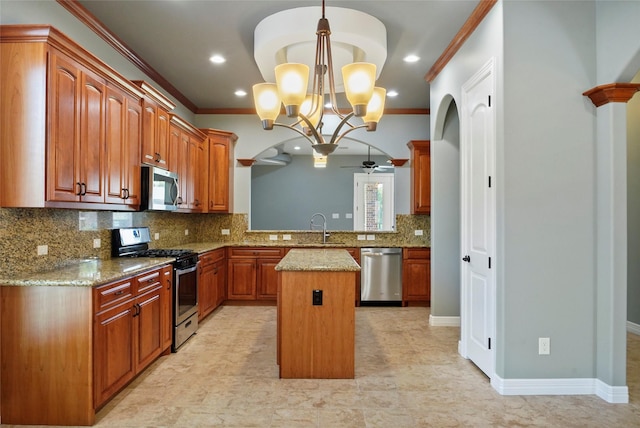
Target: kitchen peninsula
x=316 y=315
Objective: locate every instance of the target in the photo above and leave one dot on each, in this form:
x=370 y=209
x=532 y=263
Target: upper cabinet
x=420 y=176
x=188 y=154
x=68 y=118
x=155 y=126
x=221 y=147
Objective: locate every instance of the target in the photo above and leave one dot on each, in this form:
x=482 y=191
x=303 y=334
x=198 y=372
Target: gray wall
x=633 y=207
x=285 y=197
x=445 y=218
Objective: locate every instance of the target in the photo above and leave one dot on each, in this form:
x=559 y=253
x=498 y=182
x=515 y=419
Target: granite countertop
x=88 y=273
x=93 y=272
x=318 y=260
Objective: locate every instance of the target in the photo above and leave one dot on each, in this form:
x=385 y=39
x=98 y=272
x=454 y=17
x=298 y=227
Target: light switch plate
x=361 y=237
x=418 y=232
x=371 y=237
x=43 y=250
x=225 y=232
x=273 y=237
x=335 y=215
x=156 y=236
x=348 y=215
x=97 y=243
x=286 y=237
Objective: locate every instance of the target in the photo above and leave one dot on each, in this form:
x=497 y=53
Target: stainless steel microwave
x=159 y=189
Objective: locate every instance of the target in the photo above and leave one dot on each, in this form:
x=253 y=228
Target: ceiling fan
x=369 y=165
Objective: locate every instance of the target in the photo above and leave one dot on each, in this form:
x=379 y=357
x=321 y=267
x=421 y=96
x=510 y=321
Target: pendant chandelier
x=307 y=109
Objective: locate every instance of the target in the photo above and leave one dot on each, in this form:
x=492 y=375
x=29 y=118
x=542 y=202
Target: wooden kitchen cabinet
x=187 y=146
x=420 y=176
x=220 y=166
x=167 y=308
x=251 y=273
x=75 y=161
x=123 y=133
x=128 y=332
x=416 y=275
x=211 y=281
x=54 y=141
x=154 y=147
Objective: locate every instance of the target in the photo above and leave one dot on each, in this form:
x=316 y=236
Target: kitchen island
x=316 y=314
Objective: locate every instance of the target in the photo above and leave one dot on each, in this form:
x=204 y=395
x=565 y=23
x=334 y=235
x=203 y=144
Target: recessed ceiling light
x=217 y=59
x=240 y=93
x=392 y=93
x=411 y=58
x=296 y=148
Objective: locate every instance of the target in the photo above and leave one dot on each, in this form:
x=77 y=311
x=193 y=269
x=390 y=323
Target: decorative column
x=611 y=236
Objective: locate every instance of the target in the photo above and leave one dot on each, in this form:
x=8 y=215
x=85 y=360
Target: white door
x=478 y=219
x=373 y=202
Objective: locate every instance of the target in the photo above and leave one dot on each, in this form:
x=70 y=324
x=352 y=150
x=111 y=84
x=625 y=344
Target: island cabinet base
x=316 y=341
x=47 y=367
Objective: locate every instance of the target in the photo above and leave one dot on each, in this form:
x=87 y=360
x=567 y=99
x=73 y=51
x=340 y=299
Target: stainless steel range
x=134 y=242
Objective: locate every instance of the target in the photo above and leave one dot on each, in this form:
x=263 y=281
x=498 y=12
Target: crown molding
x=87 y=18
x=476 y=17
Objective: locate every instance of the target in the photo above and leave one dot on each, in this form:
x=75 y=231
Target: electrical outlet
x=371 y=237
x=273 y=237
x=225 y=232
x=418 y=232
x=97 y=243
x=156 y=236
x=544 y=346
x=362 y=237
x=186 y=232
x=43 y=250
x=286 y=237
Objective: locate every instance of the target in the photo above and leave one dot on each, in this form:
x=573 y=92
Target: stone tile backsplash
x=70 y=234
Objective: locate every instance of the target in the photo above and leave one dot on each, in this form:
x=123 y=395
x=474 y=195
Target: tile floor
x=408 y=374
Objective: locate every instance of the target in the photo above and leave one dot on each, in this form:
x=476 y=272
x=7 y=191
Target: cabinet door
x=148 y=328
x=63 y=182
x=219 y=189
x=183 y=172
x=241 y=281
x=174 y=149
x=162 y=137
x=195 y=175
x=92 y=135
x=115 y=146
x=206 y=290
x=267 y=279
x=416 y=279
x=421 y=177
x=149 y=154
x=114 y=364
x=166 y=297
x=221 y=282
x=132 y=137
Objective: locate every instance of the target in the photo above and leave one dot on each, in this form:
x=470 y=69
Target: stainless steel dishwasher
x=381 y=275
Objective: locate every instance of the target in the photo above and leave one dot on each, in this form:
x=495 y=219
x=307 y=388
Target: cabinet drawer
x=148 y=281
x=112 y=294
x=416 y=253
x=211 y=257
x=256 y=252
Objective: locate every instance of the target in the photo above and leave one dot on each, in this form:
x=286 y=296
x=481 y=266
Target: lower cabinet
x=416 y=275
x=128 y=330
x=252 y=274
x=212 y=278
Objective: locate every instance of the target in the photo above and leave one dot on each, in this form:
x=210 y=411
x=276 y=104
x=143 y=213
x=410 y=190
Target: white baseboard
x=611 y=394
x=633 y=328
x=444 y=321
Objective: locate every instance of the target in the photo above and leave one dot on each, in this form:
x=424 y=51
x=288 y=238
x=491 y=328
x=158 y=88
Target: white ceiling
x=177 y=37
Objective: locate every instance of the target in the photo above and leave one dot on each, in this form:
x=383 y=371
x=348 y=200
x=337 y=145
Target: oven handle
x=187 y=270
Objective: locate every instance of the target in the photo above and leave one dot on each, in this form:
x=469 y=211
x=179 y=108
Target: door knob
x=466 y=259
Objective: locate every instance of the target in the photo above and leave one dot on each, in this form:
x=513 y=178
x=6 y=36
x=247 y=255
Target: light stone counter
x=87 y=273
x=333 y=260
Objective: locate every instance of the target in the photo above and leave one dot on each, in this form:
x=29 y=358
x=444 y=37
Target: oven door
x=186 y=293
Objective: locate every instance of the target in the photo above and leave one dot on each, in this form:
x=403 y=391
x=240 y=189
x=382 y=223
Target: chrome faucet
x=325 y=234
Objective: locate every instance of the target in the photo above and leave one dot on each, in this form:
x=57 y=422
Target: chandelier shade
x=304 y=90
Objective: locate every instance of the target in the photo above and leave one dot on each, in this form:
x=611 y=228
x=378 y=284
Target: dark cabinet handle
x=83 y=189
x=136 y=310
x=168 y=284
x=79 y=192
x=118 y=293
x=466 y=259
x=158 y=158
